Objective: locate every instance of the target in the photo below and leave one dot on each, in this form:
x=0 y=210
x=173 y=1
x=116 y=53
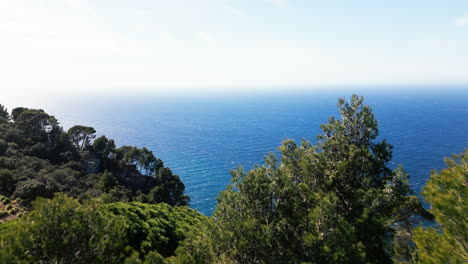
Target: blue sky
x=213 y=45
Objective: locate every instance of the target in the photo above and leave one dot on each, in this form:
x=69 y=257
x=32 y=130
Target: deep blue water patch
x=202 y=138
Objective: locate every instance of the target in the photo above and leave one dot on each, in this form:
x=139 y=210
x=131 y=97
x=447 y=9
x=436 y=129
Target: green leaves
x=169 y=189
x=63 y=230
x=143 y=158
x=333 y=202
x=103 y=146
x=322 y=204
x=4 y=115
x=447 y=193
x=157 y=227
x=81 y=136
x=38 y=162
x=107 y=181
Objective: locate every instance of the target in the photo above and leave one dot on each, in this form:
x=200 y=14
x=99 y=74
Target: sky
x=220 y=45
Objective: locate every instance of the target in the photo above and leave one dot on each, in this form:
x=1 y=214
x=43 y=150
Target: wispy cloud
x=462 y=21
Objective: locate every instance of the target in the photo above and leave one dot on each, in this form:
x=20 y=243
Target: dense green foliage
x=4 y=115
x=333 y=202
x=81 y=136
x=156 y=227
x=38 y=159
x=63 y=230
x=447 y=192
x=10 y=209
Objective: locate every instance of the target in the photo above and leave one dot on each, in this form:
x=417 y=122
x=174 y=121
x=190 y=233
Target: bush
x=14 y=210
x=5 y=200
x=3 y=214
x=156 y=227
x=446 y=191
x=62 y=230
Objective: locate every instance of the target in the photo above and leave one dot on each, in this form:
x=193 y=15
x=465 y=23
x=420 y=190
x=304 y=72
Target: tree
x=4 y=115
x=62 y=230
x=38 y=162
x=143 y=158
x=33 y=122
x=169 y=189
x=128 y=155
x=149 y=162
x=81 y=136
x=107 y=181
x=3 y=147
x=355 y=170
x=103 y=146
x=30 y=189
x=329 y=203
x=447 y=193
x=7 y=182
x=15 y=113
x=61 y=149
x=156 y=228
x=407 y=212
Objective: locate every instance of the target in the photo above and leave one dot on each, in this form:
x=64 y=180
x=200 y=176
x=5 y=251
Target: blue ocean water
x=202 y=137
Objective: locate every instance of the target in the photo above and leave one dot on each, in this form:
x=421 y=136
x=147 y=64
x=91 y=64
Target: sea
x=201 y=137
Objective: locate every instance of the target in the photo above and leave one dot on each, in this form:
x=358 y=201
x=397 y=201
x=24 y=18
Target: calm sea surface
x=202 y=138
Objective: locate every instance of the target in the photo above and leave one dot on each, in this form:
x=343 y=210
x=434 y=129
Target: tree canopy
x=63 y=230
x=4 y=115
x=76 y=198
x=38 y=159
x=447 y=193
x=81 y=136
x=103 y=147
x=333 y=202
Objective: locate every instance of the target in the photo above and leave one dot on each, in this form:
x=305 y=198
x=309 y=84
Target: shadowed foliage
x=336 y=201
x=38 y=159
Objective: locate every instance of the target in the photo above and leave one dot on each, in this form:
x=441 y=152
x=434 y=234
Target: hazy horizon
x=227 y=46
x=39 y=99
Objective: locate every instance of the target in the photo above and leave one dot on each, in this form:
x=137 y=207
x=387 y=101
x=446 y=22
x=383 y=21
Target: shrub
x=5 y=200
x=14 y=210
x=3 y=214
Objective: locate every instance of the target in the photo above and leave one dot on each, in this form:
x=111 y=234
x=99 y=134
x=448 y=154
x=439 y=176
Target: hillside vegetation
x=333 y=202
x=38 y=158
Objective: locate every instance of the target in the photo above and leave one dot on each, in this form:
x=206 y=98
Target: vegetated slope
x=10 y=209
x=38 y=158
x=333 y=202
x=64 y=230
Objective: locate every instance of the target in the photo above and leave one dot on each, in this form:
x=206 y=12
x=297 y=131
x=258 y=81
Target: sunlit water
x=202 y=138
